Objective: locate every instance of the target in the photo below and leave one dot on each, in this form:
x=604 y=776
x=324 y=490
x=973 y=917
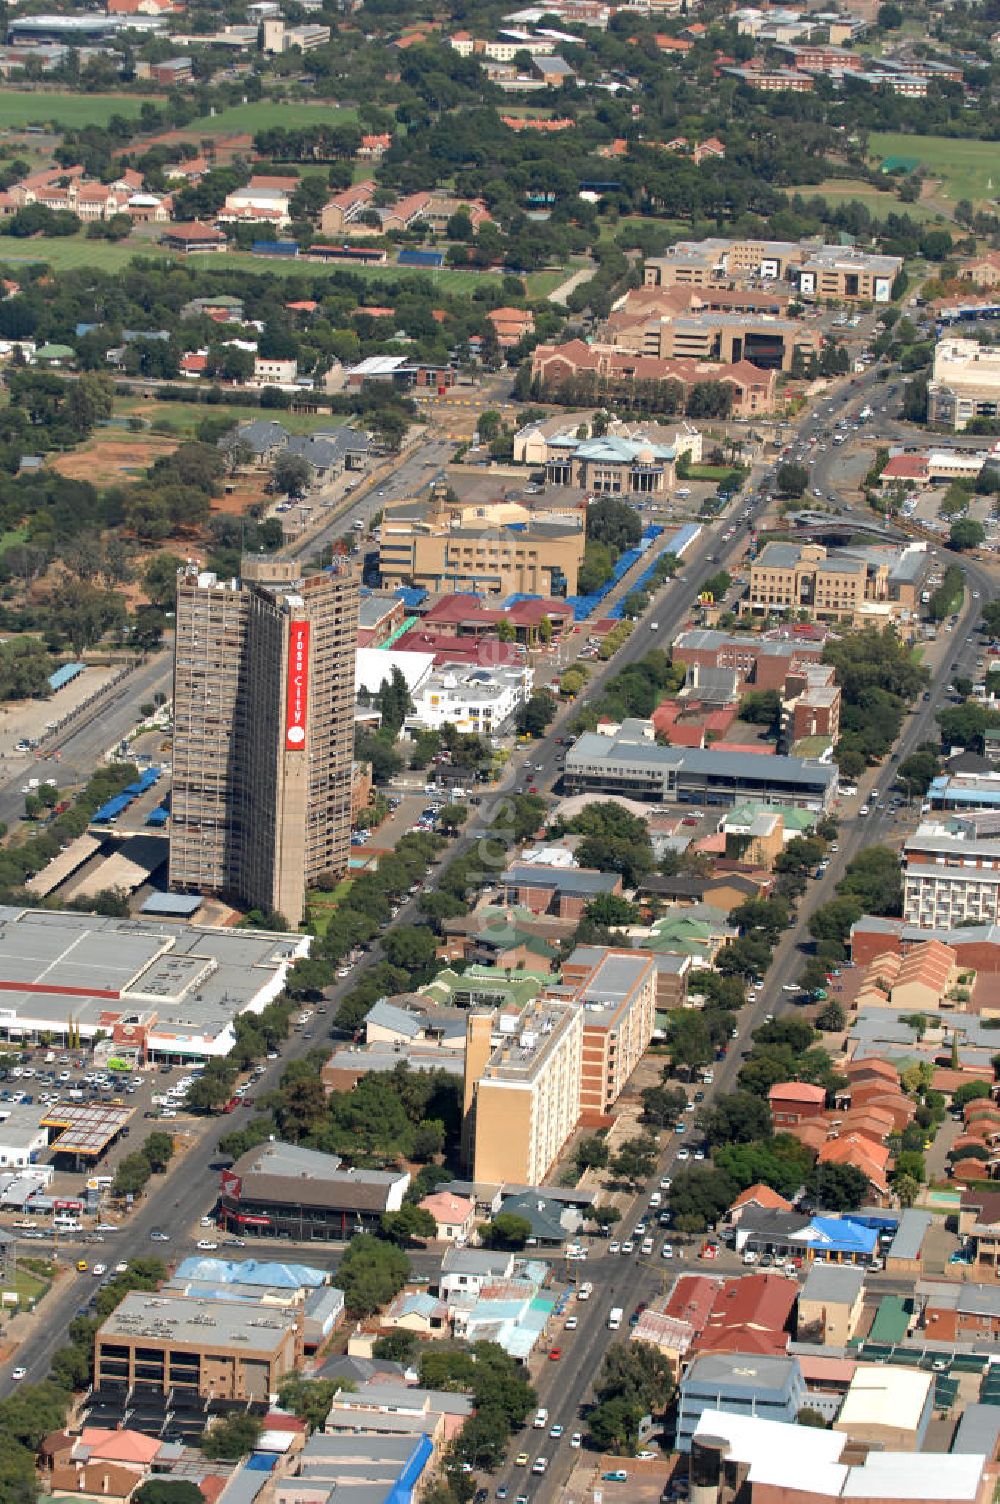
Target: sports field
x=41 y=108
x=967 y=169
x=448 y=281
x=71 y=252
x=185 y=418
x=266 y=114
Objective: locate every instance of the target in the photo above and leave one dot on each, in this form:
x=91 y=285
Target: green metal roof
x=892 y=1320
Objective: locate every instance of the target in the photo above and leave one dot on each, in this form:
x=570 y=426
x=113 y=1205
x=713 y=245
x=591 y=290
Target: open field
x=448 y=281
x=37 y=107
x=71 y=252
x=263 y=114
x=968 y=169
x=186 y=417
x=877 y=201
x=110 y=459
x=540 y=284
x=68 y=253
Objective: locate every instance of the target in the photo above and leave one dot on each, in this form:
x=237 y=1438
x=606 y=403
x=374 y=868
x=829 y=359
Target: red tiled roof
x=796 y=1091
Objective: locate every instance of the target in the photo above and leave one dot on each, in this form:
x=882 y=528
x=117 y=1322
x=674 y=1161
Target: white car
x=206 y=1245
x=555 y=1432
x=17 y=1374
x=666 y=1183
x=572 y=1322
x=99 y=1269
x=683 y=1153
x=122 y=1266
x=206 y=1222
x=576 y=1440
x=667 y=1251
x=614 y=1248
x=628 y=1246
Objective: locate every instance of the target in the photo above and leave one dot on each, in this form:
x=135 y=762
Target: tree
x=591 y=1153
x=536 y=713
x=131 y=1175
x=158 y=1150
x=613 y=1426
x=309 y=1399
x=761 y=707
x=613 y=522
x=408 y=1224
x=160 y=580
x=807 y=1416
x=232 y=1438
x=738 y=1118
x=907 y=1189
x=635 y=1160
x=791 y=479
x=291 y=474
x=506 y=1230
x=370 y=1273
x=661 y=1105
x=831 y=1018
x=837 y=1188
x=966 y=533
x=969 y=1091
x=169 y=1491
x=610 y=911
x=690 y=1043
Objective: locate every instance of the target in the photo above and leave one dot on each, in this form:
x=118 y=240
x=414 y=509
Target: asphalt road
x=98 y=728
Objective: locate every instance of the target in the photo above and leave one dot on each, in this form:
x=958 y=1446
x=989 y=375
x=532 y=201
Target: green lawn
x=878 y=201
x=450 y=281
x=70 y=252
x=12 y=536
x=322 y=906
x=30 y=1287
x=65 y=253
x=540 y=284
x=968 y=169
x=264 y=114
x=186 y=417
x=36 y=107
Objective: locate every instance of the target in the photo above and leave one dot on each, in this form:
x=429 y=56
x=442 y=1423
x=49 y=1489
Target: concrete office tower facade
x=263 y=732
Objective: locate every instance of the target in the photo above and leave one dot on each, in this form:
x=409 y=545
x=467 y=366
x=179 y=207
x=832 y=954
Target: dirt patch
x=246 y=493
x=106 y=461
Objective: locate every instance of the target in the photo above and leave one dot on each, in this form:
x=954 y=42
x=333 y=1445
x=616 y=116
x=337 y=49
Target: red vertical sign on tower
x=298 y=686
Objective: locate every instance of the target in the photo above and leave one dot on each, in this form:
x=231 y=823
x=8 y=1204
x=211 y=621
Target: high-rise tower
x=263 y=731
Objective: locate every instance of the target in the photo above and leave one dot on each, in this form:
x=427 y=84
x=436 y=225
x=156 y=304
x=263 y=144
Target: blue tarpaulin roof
x=585 y=605
x=112 y=808
x=411 y=596
x=65 y=675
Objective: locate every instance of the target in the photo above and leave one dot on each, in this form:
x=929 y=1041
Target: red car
x=555 y=1353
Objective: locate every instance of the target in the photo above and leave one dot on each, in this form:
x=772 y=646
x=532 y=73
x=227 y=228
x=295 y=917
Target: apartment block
x=523 y=1076
x=263 y=732
x=500 y=548
x=951 y=877
x=763 y=662
x=617 y=991
x=196 y=1347
x=965 y=384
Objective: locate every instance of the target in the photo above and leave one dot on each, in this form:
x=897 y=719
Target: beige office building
x=500 y=548
x=522 y=1090
x=965 y=383
x=195 y=1346
x=263 y=732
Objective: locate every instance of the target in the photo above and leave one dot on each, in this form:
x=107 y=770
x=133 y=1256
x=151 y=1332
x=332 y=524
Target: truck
x=864 y=414
x=615 y=1318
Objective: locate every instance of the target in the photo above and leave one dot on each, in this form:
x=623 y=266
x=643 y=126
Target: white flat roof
x=798 y=1449
x=916 y=1475
x=375 y=665
x=884 y=1396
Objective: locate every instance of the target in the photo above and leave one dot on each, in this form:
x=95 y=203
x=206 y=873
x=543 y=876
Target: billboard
x=297 y=699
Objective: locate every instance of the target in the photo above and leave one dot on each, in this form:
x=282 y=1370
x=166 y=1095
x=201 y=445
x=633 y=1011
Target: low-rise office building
x=888 y=1408
x=283 y=1190
x=854 y=585
x=965 y=383
x=585 y=373
x=196 y=1347
x=817 y=271
x=742 y=1384
x=633 y=765
x=830 y=1304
